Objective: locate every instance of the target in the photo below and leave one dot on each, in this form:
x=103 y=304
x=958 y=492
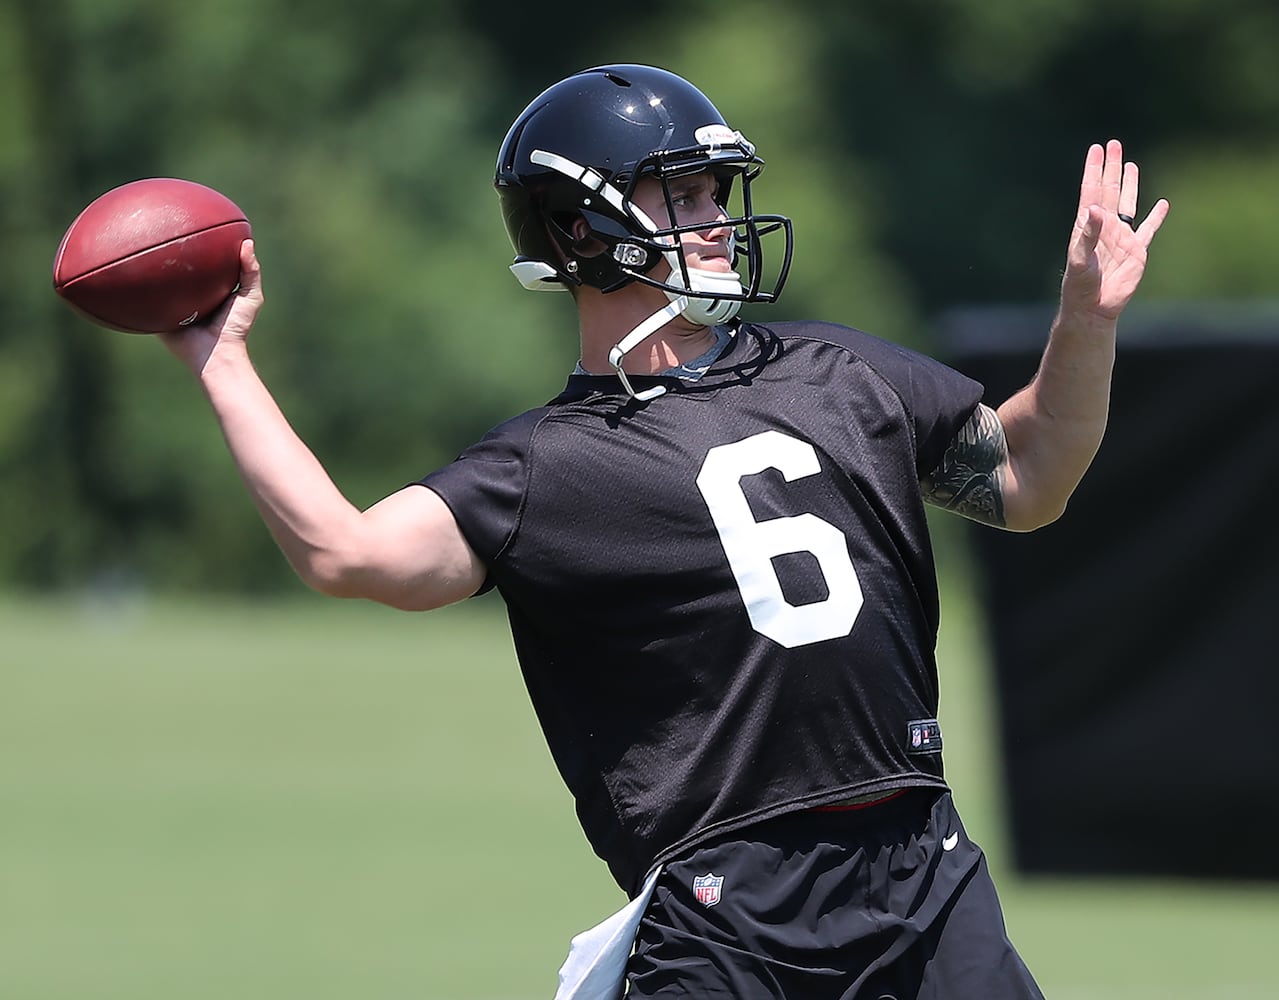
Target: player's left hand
x=1106 y=257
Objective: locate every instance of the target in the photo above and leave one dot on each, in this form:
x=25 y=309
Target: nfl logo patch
x=924 y=736
x=707 y=888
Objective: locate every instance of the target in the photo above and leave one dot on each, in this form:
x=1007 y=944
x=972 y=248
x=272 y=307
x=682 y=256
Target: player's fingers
x=250 y=268
x=1128 y=190
x=1112 y=172
x=1150 y=225
x=247 y=298
x=1090 y=186
x=1084 y=239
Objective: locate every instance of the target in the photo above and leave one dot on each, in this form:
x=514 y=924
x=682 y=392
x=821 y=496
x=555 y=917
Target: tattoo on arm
x=970 y=478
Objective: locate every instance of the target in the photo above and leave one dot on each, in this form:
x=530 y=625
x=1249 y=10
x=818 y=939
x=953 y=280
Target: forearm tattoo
x=970 y=478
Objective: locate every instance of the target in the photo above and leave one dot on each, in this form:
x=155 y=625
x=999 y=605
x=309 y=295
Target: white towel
x=596 y=965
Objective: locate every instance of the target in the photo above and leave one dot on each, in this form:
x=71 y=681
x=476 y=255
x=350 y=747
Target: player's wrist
x=1077 y=318
x=226 y=361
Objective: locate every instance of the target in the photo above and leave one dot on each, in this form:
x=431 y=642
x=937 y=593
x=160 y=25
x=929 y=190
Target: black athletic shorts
x=890 y=901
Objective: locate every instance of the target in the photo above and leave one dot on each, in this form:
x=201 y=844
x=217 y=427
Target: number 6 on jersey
x=752 y=545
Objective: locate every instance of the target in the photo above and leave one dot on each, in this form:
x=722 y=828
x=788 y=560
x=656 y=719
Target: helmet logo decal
x=717 y=135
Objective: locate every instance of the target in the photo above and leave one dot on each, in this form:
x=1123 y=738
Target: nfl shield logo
x=707 y=888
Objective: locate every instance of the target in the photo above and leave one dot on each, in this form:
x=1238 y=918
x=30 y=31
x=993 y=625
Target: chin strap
x=637 y=336
x=704 y=312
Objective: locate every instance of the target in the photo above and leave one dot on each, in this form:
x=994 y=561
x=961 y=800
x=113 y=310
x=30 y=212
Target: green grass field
x=322 y=800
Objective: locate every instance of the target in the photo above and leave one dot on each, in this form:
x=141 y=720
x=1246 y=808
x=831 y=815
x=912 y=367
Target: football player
x=713 y=550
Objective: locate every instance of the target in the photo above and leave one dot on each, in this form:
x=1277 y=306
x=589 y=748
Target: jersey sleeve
x=938 y=399
x=484 y=486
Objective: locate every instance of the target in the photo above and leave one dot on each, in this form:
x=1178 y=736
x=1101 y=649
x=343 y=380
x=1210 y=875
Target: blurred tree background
x=928 y=151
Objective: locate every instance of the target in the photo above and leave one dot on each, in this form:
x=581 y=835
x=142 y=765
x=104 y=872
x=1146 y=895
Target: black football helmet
x=579 y=149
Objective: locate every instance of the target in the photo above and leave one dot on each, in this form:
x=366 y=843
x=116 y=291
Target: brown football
x=151 y=256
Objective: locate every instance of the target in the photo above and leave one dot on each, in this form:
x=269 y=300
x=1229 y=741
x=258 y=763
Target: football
x=151 y=256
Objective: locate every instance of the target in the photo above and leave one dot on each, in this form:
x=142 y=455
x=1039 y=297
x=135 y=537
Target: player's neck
x=605 y=320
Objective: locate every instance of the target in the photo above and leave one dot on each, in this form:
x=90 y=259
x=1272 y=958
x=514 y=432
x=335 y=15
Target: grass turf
x=317 y=799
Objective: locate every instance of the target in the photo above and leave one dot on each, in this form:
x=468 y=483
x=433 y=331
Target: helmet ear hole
x=584 y=238
x=574 y=237
x=564 y=227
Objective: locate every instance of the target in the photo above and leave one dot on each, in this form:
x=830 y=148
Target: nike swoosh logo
x=950 y=843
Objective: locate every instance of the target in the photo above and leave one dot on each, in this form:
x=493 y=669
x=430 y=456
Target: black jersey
x=723 y=601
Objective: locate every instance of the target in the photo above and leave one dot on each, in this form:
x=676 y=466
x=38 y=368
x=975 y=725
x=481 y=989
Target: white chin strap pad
x=710 y=311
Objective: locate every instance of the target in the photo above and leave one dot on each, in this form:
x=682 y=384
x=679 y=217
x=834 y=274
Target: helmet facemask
x=634 y=244
x=714 y=296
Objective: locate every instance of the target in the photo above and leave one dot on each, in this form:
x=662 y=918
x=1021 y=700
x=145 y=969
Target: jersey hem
x=796 y=805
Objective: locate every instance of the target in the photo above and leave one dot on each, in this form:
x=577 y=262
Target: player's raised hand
x=1106 y=257
x=229 y=326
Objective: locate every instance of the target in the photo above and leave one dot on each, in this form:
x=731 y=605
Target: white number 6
x=751 y=545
